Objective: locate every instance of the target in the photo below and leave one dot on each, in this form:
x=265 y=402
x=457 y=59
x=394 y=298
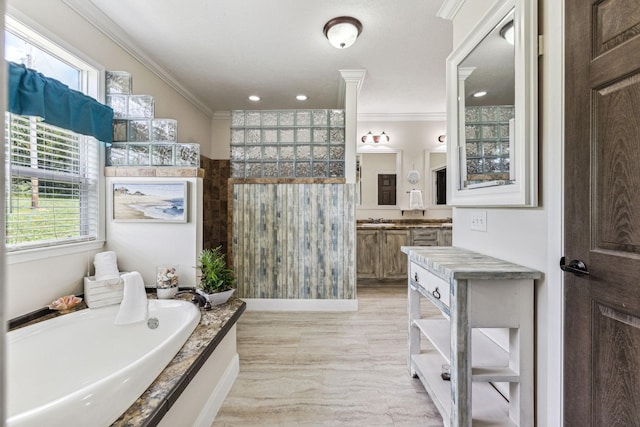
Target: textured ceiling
x=222 y=51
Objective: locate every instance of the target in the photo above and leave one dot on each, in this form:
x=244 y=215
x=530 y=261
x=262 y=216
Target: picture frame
x=150 y=201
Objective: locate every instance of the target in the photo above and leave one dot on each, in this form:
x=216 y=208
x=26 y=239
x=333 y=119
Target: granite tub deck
x=149 y=409
x=156 y=401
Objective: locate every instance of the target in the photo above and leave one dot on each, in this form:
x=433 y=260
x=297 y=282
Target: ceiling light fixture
x=301 y=97
x=342 y=31
x=508 y=32
x=370 y=138
x=254 y=98
x=479 y=94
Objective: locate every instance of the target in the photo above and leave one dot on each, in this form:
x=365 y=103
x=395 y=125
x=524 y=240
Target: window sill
x=54 y=251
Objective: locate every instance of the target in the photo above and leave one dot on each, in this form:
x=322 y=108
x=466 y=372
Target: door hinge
x=540 y=45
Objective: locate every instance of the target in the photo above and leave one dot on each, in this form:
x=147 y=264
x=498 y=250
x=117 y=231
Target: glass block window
x=287 y=144
x=487 y=142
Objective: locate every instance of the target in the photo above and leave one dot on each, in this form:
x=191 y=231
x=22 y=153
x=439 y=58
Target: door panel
x=617 y=360
x=602 y=213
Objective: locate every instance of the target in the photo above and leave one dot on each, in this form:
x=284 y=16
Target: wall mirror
x=492 y=110
x=375 y=169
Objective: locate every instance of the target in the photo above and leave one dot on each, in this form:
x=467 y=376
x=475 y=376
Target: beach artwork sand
x=162 y=202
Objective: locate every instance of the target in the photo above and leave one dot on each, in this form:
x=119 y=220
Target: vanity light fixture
x=254 y=98
x=507 y=32
x=342 y=31
x=371 y=138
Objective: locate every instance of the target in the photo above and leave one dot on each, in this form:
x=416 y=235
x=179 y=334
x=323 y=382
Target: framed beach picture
x=150 y=202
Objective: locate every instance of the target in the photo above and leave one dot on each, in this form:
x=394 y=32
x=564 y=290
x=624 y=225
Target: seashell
x=65 y=304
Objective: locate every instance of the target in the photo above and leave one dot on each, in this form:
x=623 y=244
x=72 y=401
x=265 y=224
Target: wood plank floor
x=329 y=369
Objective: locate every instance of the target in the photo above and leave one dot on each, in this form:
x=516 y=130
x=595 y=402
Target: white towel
x=106 y=266
x=134 y=306
x=415 y=199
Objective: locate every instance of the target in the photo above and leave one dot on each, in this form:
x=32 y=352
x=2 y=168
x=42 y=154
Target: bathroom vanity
x=472 y=291
x=378 y=245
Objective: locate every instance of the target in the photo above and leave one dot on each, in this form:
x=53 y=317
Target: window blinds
x=52 y=178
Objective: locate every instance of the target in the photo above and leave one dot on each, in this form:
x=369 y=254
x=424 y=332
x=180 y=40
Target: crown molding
x=221 y=115
x=402 y=117
x=104 y=24
x=449 y=9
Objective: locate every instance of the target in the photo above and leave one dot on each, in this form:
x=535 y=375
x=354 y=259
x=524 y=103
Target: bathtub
x=80 y=369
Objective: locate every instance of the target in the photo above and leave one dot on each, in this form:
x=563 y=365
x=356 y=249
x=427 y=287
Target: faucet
x=196 y=298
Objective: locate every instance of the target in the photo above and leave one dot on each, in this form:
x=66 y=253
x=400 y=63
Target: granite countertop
x=453 y=263
x=154 y=403
x=403 y=224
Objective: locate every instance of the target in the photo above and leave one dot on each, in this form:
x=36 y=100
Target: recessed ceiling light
x=480 y=93
x=254 y=98
x=301 y=97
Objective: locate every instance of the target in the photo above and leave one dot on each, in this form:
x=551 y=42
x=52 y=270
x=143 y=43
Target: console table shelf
x=472 y=291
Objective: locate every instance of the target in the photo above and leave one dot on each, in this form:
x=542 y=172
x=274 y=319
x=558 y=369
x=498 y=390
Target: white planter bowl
x=217 y=298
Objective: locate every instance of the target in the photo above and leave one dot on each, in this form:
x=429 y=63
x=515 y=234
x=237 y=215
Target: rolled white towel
x=134 y=306
x=106 y=266
x=415 y=199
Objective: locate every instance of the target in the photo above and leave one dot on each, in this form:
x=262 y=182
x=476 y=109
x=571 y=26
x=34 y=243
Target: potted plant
x=216 y=280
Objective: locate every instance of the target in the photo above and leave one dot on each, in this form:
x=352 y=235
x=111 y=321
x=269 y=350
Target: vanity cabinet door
x=368 y=250
x=394 y=262
x=444 y=237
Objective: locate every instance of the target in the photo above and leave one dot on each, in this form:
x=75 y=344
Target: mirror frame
x=384 y=150
x=429 y=178
x=524 y=191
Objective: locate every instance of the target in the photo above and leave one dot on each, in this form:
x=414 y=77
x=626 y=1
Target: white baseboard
x=272 y=304
x=219 y=393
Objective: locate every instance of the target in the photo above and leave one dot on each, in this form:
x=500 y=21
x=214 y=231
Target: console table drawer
x=430 y=282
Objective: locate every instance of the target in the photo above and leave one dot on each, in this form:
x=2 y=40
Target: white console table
x=472 y=291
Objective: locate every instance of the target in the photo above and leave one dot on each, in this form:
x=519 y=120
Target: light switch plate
x=479 y=221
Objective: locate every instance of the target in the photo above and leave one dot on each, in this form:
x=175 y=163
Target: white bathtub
x=82 y=370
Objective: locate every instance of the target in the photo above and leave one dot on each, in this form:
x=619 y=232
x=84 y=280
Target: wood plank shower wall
x=294 y=241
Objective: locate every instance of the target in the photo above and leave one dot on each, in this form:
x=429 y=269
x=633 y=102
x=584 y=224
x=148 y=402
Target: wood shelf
x=489 y=408
x=490 y=362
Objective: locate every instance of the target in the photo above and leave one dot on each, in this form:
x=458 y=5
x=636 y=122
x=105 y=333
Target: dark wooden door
x=386 y=189
x=602 y=213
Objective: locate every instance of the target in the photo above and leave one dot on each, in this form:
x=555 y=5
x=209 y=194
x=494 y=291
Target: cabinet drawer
x=419 y=235
x=430 y=282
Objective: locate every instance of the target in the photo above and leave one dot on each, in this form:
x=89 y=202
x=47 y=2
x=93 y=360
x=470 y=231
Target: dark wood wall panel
x=294 y=241
x=617 y=161
x=215 y=202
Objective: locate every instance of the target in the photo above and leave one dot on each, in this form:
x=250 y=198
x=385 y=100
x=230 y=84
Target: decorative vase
x=167 y=277
x=167 y=293
x=218 y=297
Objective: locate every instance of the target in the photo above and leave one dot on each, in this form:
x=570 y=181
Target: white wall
x=32 y=284
x=413 y=139
x=533 y=237
x=144 y=246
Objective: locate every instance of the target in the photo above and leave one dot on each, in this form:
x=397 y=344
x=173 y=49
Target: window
x=52 y=174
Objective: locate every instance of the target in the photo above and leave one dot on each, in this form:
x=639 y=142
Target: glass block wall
x=287 y=144
x=139 y=139
x=487 y=140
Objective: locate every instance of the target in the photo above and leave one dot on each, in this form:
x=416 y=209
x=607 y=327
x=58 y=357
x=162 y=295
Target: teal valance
x=33 y=94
